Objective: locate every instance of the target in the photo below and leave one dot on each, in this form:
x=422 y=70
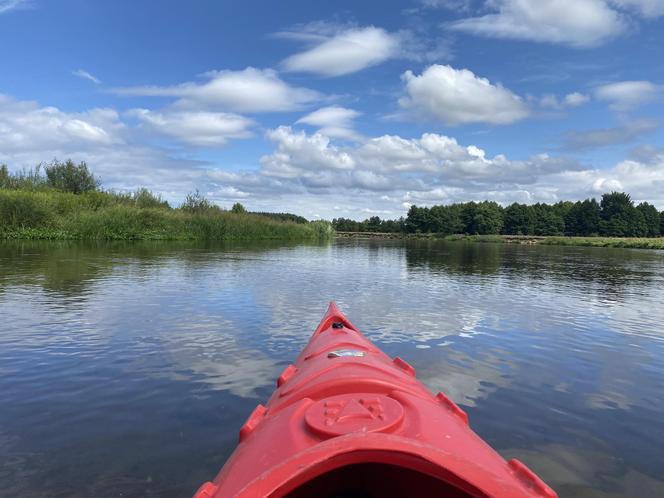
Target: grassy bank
x=627 y=242
x=50 y=214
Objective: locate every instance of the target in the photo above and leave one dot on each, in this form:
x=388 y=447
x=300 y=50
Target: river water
x=127 y=369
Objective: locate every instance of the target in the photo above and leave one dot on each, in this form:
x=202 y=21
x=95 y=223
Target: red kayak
x=347 y=421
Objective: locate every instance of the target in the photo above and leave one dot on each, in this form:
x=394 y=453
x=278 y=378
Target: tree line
x=615 y=215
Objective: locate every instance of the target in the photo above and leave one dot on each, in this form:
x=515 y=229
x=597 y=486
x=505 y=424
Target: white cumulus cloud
x=31 y=134
x=298 y=152
x=309 y=173
x=346 y=51
x=26 y=126
x=333 y=121
x=576 y=99
x=625 y=95
x=200 y=128
x=642 y=178
x=397 y=162
x=645 y=8
x=458 y=96
x=578 y=23
x=250 y=90
x=570 y=100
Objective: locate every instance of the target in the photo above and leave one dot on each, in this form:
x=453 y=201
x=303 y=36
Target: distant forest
x=615 y=215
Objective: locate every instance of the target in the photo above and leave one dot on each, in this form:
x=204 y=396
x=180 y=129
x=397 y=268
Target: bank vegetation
x=64 y=200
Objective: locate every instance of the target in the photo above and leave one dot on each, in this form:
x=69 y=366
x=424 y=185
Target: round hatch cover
x=355 y=412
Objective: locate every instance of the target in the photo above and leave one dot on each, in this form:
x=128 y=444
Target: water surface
x=127 y=369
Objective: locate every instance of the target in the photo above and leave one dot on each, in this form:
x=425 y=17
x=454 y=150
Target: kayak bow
x=348 y=421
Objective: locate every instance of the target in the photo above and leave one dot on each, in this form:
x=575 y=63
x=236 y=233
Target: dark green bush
x=143 y=198
x=238 y=208
x=195 y=202
x=23 y=209
x=26 y=179
x=70 y=177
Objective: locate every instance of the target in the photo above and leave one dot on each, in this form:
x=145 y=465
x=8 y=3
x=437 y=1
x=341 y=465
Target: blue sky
x=340 y=108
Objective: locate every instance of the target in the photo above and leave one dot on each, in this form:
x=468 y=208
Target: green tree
x=548 y=221
x=617 y=214
x=373 y=224
x=418 y=220
x=491 y=218
x=446 y=220
x=468 y=210
x=583 y=218
x=518 y=220
x=393 y=226
x=195 y=202
x=650 y=219
x=482 y=218
x=562 y=208
x=70 y=177
x=344 y=225
x=619 y=217
x=238 y=208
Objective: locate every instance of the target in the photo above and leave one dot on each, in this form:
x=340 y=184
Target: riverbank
x=626 y=242
x=109 y=216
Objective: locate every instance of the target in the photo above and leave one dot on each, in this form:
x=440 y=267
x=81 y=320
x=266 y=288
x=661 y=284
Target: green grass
x=108 y=216
x=627 y=242
x=474 y=238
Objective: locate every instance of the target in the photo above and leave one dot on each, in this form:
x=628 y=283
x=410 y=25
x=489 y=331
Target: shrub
x=70 y=177
x=238 y=208
x=322 y=230
x=196 y=203
x=121 y=223
x=26 y=179
x=143 y=198
x=23 y=209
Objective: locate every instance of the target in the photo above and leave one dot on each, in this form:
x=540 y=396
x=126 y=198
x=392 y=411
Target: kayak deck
x=347 y=421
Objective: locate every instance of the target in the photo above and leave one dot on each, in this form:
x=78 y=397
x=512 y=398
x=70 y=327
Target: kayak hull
x=348 y=420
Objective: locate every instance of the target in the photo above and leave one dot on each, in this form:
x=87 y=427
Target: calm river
x=127 y=369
